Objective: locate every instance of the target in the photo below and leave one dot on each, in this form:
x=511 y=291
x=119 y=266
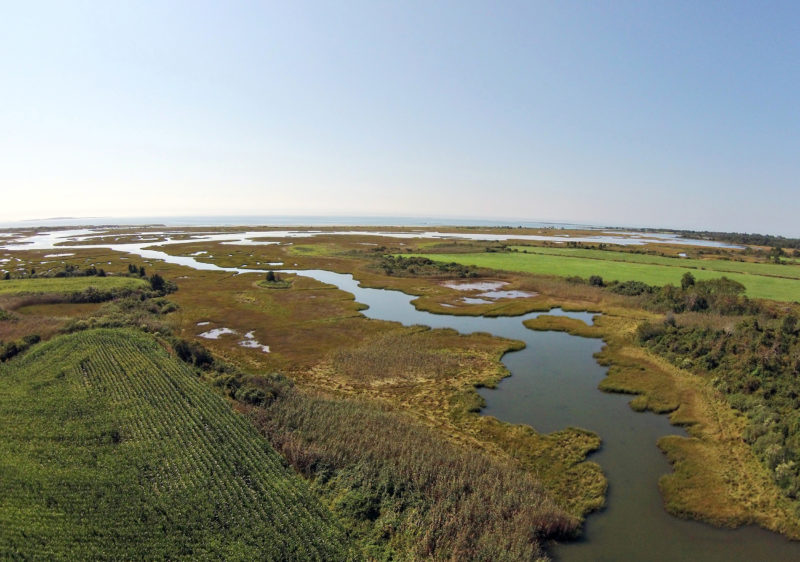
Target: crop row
x=125 y=452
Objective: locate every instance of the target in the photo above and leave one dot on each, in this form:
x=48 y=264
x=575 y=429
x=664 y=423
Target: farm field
x=785 y=269
x=67 y=284
x=113 y=449
x=757 y=285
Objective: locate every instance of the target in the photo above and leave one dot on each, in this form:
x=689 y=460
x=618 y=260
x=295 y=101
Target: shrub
x=650 y=330
x=194 y=353
x=596 y=281
x=157 y=282
x=632 y=288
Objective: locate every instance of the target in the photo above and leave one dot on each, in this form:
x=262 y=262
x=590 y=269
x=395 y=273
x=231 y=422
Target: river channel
x=553 y=384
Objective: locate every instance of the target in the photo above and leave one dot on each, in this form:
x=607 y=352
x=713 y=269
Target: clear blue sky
x=682 y=114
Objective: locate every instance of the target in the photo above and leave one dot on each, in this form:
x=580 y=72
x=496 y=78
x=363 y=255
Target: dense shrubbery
x=192 y=352
x=12 y=348
x=69 y=270
x=744 y=238
x=757 y=366
x=632 y=288
x=252 y=389
x=399 y=265
x=141 y=308
x=74 y=271
x=722 y=296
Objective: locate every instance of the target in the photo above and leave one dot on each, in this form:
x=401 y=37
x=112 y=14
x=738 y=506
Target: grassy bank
x=717 y=476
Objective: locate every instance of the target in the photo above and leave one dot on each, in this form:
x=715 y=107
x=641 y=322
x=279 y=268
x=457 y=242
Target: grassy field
x=67 y=284
x=112 y=449
x=785 y=269
x=757 y=285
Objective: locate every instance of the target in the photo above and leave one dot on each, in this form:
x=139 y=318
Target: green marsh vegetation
x=410 y=493
x=67 y=284
x=54 y=302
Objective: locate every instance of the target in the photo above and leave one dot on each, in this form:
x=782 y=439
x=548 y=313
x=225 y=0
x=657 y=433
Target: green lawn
x=560 y=264
x=112 y=449
x=67 y=284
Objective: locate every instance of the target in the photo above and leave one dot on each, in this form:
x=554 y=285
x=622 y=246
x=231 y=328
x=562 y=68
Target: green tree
x=687 y=280
x=157 y=282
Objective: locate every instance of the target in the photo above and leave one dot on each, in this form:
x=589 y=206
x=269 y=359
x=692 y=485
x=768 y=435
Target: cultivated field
x=112 y=449
x=759 y=280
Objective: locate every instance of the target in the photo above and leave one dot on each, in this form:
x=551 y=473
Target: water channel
x=554 y=385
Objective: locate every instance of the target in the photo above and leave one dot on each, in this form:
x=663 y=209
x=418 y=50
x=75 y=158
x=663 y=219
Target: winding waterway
x=554 y=385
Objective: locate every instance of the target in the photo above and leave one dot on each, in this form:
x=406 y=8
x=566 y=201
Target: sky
x=662 y=114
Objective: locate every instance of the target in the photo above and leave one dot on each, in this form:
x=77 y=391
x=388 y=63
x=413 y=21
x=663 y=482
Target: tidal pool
x=216 y=333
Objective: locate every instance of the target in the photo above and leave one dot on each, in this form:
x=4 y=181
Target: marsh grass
x=397 y=356
x=406 y=489
x=67 y=284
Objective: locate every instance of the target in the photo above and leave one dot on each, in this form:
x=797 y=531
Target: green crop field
x=67 y=284
x=787 y=269
x=758 y=286
x=113 y=449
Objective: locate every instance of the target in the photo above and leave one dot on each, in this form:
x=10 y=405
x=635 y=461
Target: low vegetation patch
x=398 y=357
x=274 y=281
x=423 y=267
x=68 y=284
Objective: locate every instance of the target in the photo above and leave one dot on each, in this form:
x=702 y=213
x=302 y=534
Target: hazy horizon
x=679 y=115
x=330 y=220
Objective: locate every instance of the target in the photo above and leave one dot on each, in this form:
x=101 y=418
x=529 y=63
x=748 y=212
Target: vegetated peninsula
x=224 y=393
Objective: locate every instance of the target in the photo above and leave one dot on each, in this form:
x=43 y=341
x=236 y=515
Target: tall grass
x=395 y=356
x=405 y=489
